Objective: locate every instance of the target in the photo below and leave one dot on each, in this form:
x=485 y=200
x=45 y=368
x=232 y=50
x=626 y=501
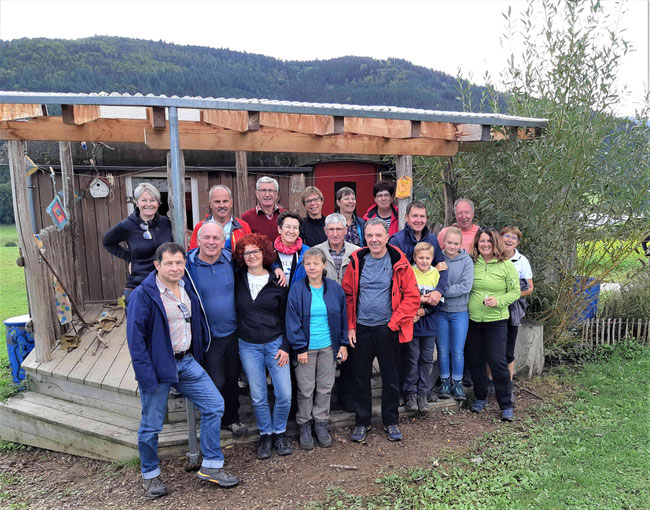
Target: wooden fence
x=608 y=331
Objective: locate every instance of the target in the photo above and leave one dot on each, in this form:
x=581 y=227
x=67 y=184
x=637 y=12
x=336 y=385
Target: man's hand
x=302 y=358
x=352 y=337
x=434 y=298
x=442 y=266
x=282 y=278
x=283 y=357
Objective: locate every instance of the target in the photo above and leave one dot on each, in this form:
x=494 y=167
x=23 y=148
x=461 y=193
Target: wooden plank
x=91 y=248
x=156 y=116
x=196 y=137
x=129 y=385
x=178 y=237
x=106 y=268
x=241 y=179
x=79 y=114
x=115 y=339
x=388 y=128
x=242 y=121
x=115 y=215
x=20 y=111
x=296 y=188
x=54 y=129
x=88 y=362
x=451 y=131
x=310 y=124
x=203 y=184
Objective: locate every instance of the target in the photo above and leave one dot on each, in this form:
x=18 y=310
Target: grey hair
x=464 y=200
x=376 y=221
x=208 y=222
x=219 y=186
x=335 y=218
x=266 y=180
x=146 y=186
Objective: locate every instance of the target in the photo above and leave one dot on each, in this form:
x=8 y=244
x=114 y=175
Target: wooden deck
x=86 y=402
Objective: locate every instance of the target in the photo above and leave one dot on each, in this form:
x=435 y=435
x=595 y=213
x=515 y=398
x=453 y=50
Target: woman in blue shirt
x=317 y=332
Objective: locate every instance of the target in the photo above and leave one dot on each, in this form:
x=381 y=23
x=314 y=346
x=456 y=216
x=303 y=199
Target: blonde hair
x=453 y=230
x=423 y=246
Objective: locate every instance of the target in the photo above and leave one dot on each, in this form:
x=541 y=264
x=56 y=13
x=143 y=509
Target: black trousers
x=345 y=381
x=510 y=343
x=487 y=344
x=380 y=342
x=222 y=364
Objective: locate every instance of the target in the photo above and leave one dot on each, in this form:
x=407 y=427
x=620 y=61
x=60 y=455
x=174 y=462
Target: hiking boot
x=490 y=388
x=478 y=406
x=282 y=445
x=432 y=396
x=304 y=436
x=360 y=433
x=264 y=449
x=467 y=379
x=217 y=476
x=457 y=391
x=154 y=487
x=411 y=402
x=237 y=429
x=394 y=433
x=445 y=388
x=322 y=435
x=423 y=404
x=507 y=414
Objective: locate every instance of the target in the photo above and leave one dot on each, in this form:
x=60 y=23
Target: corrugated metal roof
x=270 y=105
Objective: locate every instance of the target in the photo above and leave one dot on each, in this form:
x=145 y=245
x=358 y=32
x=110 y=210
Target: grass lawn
x=8 y=234
x=587 y=449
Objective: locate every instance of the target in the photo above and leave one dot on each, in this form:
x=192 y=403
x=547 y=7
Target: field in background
x=8 y=234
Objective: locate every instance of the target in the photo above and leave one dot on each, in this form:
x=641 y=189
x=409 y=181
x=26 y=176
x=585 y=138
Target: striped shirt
x=180 y=330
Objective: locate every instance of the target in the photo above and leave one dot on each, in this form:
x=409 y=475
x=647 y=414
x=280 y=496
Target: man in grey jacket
x=336 y=250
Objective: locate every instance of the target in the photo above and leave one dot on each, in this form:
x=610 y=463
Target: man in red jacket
x=234 y=229
x=263 y=218
x=382 y=299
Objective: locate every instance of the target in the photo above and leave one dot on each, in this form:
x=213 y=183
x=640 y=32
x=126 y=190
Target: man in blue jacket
x=167 y=334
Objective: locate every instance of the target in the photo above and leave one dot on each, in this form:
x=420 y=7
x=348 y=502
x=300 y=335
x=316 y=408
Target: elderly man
x=382 y=298
x=464 y=212
x=234 y=229
x=210 y=268
x=336 y=250
x=312 y=226
x=384 y=193
x=167 y=334
x=263 y=218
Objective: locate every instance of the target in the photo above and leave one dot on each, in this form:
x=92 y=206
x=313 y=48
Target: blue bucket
x=590 y=294
x=19 y=344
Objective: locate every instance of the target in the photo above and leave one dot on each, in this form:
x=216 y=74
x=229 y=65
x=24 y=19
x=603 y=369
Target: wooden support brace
x=241 y=166
x=21 y=111
x=309 y=124
x=156 y=116
x=79 y=113
x=388 y=128
x=235 y=120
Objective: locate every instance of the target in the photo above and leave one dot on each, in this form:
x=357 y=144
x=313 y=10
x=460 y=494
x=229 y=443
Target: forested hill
x=115 y=64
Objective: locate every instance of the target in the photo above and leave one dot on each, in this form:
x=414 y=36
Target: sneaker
x=218 y=476
x=478 y=406
x=432 y=396
x=423 y=404
x=445 y=388
x=304 y=436
x=457 y=391
x=264 y=449
x=507 y=414
x=360 y=433
x=467 y=380
x=237 y=429
x=490 y=388
x=322 y=434
x=394 y=433
x=411 y=402
x=282 y=445
x=154 y=487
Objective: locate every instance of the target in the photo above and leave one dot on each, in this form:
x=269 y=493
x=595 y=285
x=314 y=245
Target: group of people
x=273 y=293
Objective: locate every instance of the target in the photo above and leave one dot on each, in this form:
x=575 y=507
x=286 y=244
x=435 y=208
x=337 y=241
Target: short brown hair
x=259 y=241
x=311 y=190
x=511 y=229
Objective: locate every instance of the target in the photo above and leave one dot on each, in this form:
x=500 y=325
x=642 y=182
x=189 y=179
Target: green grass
x=8 y=234
x=589 y=450
x=13 y=301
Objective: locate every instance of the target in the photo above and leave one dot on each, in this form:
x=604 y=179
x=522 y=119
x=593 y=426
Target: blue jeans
x=256 y=359
x=452 y=333
x=195 y=384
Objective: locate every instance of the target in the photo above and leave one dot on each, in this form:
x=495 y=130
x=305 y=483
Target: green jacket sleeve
x=513 y=292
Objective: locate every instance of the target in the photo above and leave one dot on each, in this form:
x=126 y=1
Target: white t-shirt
x=256 y=283
x=522 y=265
x=286 y=261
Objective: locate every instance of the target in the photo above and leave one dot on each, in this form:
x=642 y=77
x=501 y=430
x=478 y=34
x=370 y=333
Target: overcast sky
x=444 y=35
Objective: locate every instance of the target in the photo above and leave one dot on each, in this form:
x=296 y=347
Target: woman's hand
x=283 y=357
x=490 y=301
x=282 y=278
x=302 y=358
x=343 y=353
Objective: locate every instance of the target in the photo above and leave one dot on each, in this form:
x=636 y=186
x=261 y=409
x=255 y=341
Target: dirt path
x=35 y=478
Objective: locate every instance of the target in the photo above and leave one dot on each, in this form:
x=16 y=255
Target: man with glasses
x=384 y=193
x=210 y=269
x=263 y=218
x=312 y=226
x=167 y=334
x=220 y=198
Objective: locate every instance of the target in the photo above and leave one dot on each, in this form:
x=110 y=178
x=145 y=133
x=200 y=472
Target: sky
x=445 y=35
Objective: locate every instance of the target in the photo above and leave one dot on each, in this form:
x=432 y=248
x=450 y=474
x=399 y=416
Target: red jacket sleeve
x=349 y=284
x=409 y=299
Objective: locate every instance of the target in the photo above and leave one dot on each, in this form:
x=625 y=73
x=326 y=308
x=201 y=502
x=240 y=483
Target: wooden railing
x=608 y=331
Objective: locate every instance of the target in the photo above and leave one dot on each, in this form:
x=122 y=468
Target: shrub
x=632 y=301
x=10 y=244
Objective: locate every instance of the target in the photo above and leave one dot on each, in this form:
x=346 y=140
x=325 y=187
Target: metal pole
x=193 y=454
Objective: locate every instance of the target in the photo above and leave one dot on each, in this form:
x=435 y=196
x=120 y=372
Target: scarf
x=287 y=250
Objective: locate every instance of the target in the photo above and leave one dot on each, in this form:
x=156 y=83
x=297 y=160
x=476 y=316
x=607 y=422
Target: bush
x=632 y=301
x=10 y=244
x=579 y=354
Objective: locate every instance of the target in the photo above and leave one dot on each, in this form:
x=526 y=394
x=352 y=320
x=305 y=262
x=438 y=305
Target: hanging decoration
x=57 y=213
x=404 y=185
x=30 y=166
x=99 y=187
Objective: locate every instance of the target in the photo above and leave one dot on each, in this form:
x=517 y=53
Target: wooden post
x=67 y=178
x=404 y=168
x=296 y=187
x=241 y=205
x=178 y=234
x=38 y=285
x=449 y=187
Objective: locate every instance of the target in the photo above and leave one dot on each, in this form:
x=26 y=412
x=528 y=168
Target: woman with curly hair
x=261 y=304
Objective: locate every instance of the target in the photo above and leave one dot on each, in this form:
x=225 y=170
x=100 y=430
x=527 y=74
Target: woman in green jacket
x=496 y=286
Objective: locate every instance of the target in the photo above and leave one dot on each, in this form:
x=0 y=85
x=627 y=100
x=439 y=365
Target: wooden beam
x=79 y=113
x=21 y=111
x=404 y=169
x=296 y=187
x=197 y=137
x=236 y=120
x=179 y=237
x=508 y=133
x=451 y=131
x=309 y=124
x=38 y=285
x=156 y=116
x=389 y=128
x=241 y=182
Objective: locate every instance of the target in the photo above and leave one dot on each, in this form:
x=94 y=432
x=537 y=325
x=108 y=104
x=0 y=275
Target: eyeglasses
x=312 y=200
x=269 y=191
x=334 y=229
x=487 y=229
x=383 y=195
x=146 y=234
x=185 y=311
x=252 y=252
x=510 y=236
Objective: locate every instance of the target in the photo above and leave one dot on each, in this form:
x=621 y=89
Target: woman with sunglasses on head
x=261 y=304
x=495 y=288
x=142 y=231
x=346 y=202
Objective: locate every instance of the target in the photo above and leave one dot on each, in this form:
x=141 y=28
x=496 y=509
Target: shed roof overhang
x=255 y=124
